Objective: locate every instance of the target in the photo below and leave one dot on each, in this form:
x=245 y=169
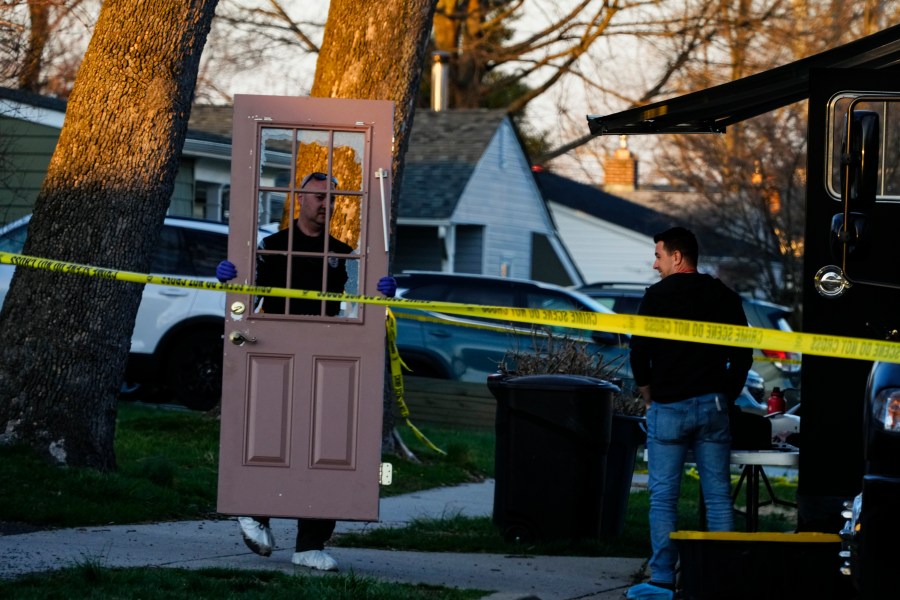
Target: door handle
x=239 y=338
x=173 y=292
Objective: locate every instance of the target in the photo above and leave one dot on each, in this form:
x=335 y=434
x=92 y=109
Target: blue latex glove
x=387 y=286
x=226 y=271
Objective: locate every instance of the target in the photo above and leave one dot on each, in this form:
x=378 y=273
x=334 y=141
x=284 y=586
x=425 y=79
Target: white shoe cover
x=315 y=559
x=257 y=536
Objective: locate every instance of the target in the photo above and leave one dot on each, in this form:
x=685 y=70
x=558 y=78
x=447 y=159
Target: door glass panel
x=271 y=208
x=312 y=204
x=891 y=155
x=348 y=159
x=276 y=146
x=346 y=217
x=351 y=309
x=888 y=186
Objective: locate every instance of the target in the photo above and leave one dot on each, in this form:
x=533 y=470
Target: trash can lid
x=554 y=381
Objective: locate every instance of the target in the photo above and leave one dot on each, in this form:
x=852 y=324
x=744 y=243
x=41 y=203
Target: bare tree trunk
x=374 y=49
x=102 y=203
x=38 y=12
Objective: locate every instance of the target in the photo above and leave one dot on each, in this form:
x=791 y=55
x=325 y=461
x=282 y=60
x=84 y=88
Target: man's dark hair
x=681 y=239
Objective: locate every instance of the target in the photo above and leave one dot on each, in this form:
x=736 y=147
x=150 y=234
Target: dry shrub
x=553 y=353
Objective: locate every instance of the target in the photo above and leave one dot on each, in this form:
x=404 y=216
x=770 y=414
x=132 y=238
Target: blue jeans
x=699 y=424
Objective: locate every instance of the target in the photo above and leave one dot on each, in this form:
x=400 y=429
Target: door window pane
x=314 y=208
x=348 y=159
x=888 y=184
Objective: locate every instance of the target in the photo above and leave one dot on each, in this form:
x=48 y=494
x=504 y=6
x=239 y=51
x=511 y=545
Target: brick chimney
x=621 y=169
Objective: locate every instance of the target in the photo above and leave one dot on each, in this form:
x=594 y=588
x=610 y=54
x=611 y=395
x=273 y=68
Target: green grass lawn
x=167 y=470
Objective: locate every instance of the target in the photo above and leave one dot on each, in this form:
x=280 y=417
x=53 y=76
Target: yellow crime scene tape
x=672 y=329
x=397 y=381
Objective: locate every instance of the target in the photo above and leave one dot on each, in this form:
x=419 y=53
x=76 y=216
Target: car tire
x=194 y=369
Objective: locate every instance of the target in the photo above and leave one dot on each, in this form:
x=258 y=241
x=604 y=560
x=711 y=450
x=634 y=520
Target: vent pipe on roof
x=440 y=80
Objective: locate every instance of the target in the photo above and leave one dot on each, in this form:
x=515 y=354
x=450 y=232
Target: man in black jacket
x=688 y=388
x=309 y=236
x=314 y=244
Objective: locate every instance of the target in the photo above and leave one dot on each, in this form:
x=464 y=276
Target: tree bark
x=375 y=50
x=102 y=203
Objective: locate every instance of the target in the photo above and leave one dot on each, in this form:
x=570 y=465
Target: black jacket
x=306 y=271
x=679 y=370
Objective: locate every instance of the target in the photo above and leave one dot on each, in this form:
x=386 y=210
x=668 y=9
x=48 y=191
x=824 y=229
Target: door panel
x=268 y=410
x=335 y=402
x=832 y=388
x=302 y=390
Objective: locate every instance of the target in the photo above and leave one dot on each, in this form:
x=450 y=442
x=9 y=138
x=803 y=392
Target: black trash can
x=552 y=438
x=628 y=434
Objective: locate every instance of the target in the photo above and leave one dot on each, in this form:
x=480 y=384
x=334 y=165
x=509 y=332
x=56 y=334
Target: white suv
x=177 y=337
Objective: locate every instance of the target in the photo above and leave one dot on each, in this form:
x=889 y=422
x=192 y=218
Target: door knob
x=239 y=338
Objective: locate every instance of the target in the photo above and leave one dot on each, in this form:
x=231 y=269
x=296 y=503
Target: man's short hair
x=318 y=176
x=681 y=239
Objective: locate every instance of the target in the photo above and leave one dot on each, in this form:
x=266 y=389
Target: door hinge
x=385 y=473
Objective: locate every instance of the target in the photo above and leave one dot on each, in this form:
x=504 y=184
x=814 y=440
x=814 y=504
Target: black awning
x=712 y=109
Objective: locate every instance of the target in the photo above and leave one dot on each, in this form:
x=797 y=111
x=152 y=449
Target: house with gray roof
x=469 y=203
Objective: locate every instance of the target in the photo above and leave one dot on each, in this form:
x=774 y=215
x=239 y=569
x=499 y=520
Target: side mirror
x=859 y=160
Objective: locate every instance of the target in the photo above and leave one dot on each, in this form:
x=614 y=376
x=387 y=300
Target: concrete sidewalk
x=197 y=544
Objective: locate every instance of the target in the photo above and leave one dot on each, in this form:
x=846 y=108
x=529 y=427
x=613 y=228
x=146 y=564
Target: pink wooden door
x=302 y=384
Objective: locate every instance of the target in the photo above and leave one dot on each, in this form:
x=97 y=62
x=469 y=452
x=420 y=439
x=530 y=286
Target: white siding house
x=602 y=250
x=608 y=237
x=469 y=202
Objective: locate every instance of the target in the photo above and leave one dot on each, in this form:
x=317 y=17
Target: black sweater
x=679 y=370
x=306 y=271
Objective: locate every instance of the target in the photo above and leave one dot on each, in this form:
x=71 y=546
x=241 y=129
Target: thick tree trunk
x=102 y=203
x=375 y=50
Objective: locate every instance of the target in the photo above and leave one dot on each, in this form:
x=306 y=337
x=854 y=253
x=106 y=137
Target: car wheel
x=194 y=370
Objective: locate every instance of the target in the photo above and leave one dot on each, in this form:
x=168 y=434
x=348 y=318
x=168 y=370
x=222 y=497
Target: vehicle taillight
x=784 y=360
